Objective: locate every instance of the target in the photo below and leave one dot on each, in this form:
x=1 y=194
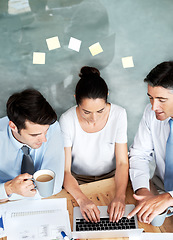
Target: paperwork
x=36 y=219
x=153 y=236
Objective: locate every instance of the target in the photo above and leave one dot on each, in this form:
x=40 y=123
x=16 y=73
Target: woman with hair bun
x=95 y=140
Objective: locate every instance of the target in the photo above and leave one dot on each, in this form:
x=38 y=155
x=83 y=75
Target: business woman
x=95 y=140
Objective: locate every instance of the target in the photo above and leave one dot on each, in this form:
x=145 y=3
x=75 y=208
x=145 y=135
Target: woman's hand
x=89 y=210
x=116 y=209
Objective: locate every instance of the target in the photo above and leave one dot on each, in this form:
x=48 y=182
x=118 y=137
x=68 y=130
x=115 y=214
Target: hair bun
x=88 y=71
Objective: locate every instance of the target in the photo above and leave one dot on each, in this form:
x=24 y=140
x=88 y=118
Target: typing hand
x=116 y=209
x=89 y=210
x=21 y=185
x=150 y=206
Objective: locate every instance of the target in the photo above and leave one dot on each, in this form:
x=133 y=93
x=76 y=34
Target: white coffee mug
x=159 y=219
x=44 y=180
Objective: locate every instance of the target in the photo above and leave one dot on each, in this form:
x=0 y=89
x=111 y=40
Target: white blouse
x=93 y=154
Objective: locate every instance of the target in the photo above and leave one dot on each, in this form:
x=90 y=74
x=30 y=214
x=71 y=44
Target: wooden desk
x=101 y=193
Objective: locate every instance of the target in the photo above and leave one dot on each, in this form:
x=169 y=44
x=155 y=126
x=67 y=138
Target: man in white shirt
x=150 y=141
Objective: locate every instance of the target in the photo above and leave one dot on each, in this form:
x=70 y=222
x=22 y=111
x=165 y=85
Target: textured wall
x=138 y=28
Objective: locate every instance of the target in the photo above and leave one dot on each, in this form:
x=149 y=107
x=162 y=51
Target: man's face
x=162 y=102
x=33 y=135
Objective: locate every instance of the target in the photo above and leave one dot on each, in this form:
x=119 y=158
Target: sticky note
x=53 y=43
x=39 y=58
x=74 y=44
x=127 y=62
x=95 y=49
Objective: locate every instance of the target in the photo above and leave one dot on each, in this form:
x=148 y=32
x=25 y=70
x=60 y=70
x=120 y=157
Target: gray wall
x=138 y=28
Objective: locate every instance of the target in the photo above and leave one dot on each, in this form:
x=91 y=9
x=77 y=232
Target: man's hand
x=116 y=209
x=21 y=185
x=89 y=210
x=149 y=206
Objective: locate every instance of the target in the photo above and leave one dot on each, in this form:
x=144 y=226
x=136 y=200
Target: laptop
x=105 y=229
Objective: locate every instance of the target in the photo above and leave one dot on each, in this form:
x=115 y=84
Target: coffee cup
x=159 y=219
x=44 y=180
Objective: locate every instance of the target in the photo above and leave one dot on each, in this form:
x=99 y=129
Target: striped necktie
x=168 y=179
x=27 y=162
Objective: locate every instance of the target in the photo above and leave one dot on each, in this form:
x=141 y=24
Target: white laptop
x=105 y=229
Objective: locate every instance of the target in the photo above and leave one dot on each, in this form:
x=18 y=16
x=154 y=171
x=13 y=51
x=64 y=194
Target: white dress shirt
x=150 y=141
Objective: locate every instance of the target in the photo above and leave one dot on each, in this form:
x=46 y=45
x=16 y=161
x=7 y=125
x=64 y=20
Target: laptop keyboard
x=104 y=224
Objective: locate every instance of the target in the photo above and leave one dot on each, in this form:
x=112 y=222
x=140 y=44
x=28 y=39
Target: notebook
x=105 y=229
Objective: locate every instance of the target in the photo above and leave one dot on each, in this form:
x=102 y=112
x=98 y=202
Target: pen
x=65 y=236
x=1 y=223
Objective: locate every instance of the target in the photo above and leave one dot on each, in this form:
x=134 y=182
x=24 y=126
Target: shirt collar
x=14 y=141
x=166 y=121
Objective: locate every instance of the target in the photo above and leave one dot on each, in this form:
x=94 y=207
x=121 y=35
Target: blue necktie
x=168 y=179
x=27 y=162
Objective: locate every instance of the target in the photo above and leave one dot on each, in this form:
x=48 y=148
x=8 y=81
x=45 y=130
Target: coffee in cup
x=44 y=180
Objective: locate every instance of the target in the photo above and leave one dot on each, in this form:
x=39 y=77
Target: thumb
x=138 y=197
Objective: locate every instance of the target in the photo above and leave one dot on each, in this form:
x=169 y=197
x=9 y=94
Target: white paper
x=153 y=236
x=74 y=44
x=38 y=227
x=36 y=219
x=39 y=205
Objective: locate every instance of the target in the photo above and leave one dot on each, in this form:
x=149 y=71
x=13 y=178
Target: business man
x=154 y=139
x=30 y=139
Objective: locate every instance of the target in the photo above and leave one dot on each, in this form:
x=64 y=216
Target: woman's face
x=92 y=109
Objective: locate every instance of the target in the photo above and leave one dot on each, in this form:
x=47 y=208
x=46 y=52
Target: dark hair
x=161 y=75
x=29 y=105
x=90 y=85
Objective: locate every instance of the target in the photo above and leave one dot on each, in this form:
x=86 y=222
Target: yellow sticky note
x=39 y=58
x=127 y=62
x=95 y=49
x=53 y=43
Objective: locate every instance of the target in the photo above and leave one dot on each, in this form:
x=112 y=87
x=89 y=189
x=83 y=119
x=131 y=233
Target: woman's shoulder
x=117 y=113
x=70 y=113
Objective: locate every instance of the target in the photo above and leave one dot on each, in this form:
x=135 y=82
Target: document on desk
x=37 y=219
x=153 y=236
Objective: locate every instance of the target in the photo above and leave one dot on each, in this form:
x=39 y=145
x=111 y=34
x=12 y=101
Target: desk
x=101 y=193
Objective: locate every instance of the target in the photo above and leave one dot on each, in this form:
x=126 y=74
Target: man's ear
x=13 y=126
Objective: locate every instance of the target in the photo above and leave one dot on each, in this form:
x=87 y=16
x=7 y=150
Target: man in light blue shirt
x=151 y=141
x=31 y=122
